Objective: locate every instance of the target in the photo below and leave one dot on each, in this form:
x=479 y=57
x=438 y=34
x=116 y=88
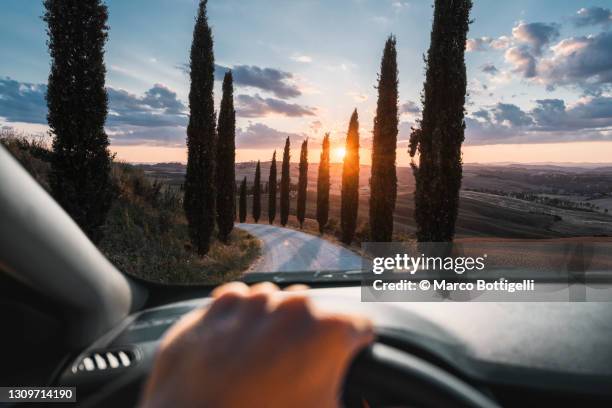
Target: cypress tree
x=441 y=132
x=226 y=156
x=285 y=185
x=236 y=199
x=78 y=105
x=257 y=193
x=302 y=184
x=350 y=182
x=199 y=200
x=323 y=186
x=272 y=190
x=383 y=182
x=243 y=201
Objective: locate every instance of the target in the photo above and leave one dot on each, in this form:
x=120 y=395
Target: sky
x=539 y=74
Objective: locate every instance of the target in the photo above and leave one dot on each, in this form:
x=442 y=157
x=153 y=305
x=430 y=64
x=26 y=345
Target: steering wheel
x=383 y=374
x=380 y=374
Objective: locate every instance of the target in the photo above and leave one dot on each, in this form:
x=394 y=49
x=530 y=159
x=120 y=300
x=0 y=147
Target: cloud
x=511 y=115
x=398 y=5
x=410 y=112
x=23 y=101
x=156 y=117
x=258 y=135
x=271 y=80
x=551 y=120
x=489 y=68
x=409 y=107
x=159 y=106
x=523 y=62
x=483 y=114
x=592 y=16
x=301 y=58
x=587 y=113
x=584 y=61
x=549 y=112
x=477 y=44
x=172 y=136
x=523 y=49
x=316 y=125
x=501 y=43
x=537 y=35
x=255 y=106
x=484 y=43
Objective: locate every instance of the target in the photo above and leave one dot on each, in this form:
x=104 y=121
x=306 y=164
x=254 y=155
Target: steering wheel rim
x=379 y=373
x=384 y=372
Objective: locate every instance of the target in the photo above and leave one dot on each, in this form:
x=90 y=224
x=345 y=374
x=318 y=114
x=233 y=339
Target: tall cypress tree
x=350 y=182
x=236 y=198
x=323 y=186
x=302 y=183
x=257 y=193
x=441 y=132
x=383 y=182
x=199 y=200
x=285 y=185
x=226 y=156
x=272 y=190
x=78 y=105
x=242 y=206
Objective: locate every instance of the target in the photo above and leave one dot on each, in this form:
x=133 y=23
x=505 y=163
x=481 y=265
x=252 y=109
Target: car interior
x=70 y=318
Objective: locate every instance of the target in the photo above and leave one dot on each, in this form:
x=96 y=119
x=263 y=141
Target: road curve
x=288 y=250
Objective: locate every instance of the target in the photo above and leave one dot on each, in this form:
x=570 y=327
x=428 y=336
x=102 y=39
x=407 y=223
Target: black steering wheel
x=382 y=374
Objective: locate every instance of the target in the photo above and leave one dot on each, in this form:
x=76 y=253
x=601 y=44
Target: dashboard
x=520 y=354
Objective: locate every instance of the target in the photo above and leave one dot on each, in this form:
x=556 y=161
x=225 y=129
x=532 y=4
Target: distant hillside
x=507 y=178
x=558 y=206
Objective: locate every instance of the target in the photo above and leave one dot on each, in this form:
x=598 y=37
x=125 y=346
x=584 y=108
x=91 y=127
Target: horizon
x=539 y=75
x=586 y=165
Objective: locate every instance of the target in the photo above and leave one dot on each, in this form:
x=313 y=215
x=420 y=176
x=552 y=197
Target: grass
x=145 y=234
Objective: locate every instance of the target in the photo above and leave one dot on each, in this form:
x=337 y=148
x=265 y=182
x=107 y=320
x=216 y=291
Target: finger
x=238 y=288
x=296 y=305
x=226 y=298
x=296 y=288
x=258 y=301
x=362 y=331
x=355 y=331
x=263 y=288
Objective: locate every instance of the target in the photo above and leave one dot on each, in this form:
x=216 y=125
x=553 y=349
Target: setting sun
x=339 y=153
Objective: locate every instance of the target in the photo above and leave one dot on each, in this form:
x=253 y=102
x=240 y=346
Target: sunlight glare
x=339 y=153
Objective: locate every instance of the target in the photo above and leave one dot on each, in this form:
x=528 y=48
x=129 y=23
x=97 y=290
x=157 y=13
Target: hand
x=256 y=347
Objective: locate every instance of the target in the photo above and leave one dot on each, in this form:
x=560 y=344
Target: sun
x=339 y=153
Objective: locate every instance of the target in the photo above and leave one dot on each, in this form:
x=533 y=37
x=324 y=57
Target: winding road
x=288 y=250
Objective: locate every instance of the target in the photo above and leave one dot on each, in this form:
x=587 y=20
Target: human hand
x=256 y=346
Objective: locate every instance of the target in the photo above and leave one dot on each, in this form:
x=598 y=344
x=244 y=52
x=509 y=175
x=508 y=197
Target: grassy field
x=483 y=214
x=480 y=215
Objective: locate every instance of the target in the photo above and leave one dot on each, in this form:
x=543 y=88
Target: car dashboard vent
x=104 y=360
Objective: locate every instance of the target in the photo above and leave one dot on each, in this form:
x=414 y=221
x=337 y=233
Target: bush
x=31 y=151
x=145 y=233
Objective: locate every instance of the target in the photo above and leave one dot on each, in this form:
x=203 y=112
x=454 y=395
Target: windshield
x=244 y=145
